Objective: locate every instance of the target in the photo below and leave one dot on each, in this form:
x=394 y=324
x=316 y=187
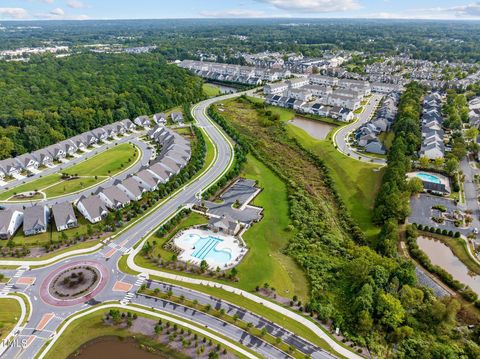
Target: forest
x=48 y=99
x=187 y=38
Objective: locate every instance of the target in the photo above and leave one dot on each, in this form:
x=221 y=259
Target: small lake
x=317 y=129
x=114 y=348
x=224 y=89
x=441 y=255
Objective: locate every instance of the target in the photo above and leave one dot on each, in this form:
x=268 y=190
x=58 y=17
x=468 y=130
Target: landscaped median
x=89 y=324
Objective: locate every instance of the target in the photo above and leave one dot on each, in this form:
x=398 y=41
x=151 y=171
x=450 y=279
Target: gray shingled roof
x=93 y=205
x=63 y=213
x=34 y=216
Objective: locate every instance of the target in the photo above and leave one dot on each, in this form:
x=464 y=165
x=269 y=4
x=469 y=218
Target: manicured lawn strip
x=38 y=184
x=357 y=182
x=107 y=163
x=210 y=90
x=10 y=312
x=189 y=221
x=44 y=238
x=90 y=327
x=267 y=238
x=71 y=186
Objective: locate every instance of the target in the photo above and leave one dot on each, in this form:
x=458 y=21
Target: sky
x=162 y=9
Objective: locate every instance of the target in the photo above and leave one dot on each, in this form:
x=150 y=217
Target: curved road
x=109 y=255
x=341 y=136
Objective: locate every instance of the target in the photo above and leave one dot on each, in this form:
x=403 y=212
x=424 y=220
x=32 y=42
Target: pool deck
x=443 y=179
x=226 y=243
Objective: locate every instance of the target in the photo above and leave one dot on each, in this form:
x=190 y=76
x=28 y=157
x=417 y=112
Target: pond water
x=317 y=129
x=441 y=255
x=114 y=348
x=224 y=89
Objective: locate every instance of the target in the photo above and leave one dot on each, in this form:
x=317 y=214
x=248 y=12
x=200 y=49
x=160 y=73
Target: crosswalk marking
x=6 y=289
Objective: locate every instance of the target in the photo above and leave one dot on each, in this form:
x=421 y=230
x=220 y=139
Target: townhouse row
x=366 y=136
x=45 y=157
x=432 y=132
x=246 y=75
x=173 y=157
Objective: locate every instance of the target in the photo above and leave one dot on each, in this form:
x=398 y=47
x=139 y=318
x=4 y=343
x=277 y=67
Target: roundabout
x=74 y=283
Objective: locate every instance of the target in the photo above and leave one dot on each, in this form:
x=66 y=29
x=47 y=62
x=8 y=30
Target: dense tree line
x=392 y=203
x=48 y=99
x=179 y=39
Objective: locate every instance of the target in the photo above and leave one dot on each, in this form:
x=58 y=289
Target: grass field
x=267 y=238
x=88 y=328
x=189 y=221
x=386 y=138
x=43 y=238
x=357 y=182
x=210 y=90
x=107 y=163
x=9 y=313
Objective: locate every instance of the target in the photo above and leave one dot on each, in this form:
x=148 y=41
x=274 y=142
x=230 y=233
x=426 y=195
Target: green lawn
x=210 y=90
x=43 y=238
x=107 y=163
x=9 y=313
x=191 y=220
x=387 y=139
x=266 y=239
x=357 y=182
x=75 y=185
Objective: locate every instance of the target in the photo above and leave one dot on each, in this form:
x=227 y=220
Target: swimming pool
x=428 y=178
x=203 y=246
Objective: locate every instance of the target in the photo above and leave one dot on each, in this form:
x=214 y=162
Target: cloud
x=469 y=10
x=313 y=6
x=233 y=13
x=76 y=4
x=13 y=13
x=57 y=12
x=48 y=1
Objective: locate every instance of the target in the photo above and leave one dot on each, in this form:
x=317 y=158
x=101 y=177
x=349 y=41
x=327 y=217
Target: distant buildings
x=246 y=75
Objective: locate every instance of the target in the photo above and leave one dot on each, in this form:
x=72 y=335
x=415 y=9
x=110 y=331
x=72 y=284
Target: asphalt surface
x=108 y=258
x=341 y=136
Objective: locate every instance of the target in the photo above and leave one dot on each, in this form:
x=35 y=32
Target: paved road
x=107 y=259
x=143 y=161
x=470 y=189
x=341 y=136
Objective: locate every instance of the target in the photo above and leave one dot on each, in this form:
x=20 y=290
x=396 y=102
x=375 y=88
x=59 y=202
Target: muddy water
x=442 y=256
x=114 y=348
x=316 y=129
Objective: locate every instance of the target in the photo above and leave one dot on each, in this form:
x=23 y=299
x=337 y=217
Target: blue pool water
x=428 y=178
x=205 y=249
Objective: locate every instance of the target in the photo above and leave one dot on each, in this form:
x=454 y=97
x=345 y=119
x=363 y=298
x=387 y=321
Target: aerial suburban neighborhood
x=255 y=179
